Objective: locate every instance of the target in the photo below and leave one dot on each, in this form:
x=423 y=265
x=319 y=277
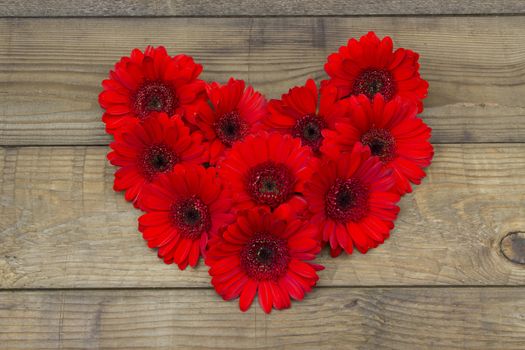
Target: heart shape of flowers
x=256 y=187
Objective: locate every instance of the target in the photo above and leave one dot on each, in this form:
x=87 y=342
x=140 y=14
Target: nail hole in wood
x=513 y=247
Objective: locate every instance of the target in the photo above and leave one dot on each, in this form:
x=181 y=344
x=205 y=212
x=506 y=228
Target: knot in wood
x=513 y=247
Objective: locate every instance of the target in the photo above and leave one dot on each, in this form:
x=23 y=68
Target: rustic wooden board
x=62 y=226
x=54 y=8
x=51 y=69
x=335 y=318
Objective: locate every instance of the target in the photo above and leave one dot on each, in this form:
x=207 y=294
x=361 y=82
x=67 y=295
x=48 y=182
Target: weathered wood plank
x=62 y=226
x=51 y=69
x=59 y=8
x=334 y=318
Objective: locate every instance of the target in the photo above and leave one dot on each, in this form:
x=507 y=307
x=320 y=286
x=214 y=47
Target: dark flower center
x=346 y=200
x=308 y=128
x=191 y=217
x=381 y=143
x=156 y=159
x=270 y=183
x=230 y=127
x=154 y=96
x=373 y=81
x=265 y=257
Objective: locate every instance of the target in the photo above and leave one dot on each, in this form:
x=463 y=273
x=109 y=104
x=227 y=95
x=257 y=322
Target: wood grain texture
x=214 y=8
x=51 y=69
x=335 y=318
x=62 y=226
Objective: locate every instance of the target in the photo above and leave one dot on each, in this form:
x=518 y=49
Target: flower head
x=369 y=66
x=267 y=170
x=234 y=112
x=263 y=253
x=351 y=201
x=302 y=114
x=149 y=82
x=150 y=149
x=392 y=131
x=184 y=209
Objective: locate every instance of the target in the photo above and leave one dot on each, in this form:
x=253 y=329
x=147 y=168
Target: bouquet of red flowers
x=256 y=187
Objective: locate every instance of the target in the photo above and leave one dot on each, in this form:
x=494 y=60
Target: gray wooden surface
x=334 y=318
x=220 y=8
x=75 y=273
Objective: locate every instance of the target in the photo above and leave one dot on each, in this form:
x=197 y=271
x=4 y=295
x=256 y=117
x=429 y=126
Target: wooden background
x=75 y=273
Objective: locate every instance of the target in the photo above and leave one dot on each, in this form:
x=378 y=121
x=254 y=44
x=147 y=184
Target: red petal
x=247 y=295
x=265 y=297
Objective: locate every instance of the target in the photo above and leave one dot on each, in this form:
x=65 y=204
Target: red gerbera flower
x=149 y=82
x=262 y=253
x=267 y=170
x=184 y=209
x=152 y=148
x=233 y=113
x=392 y=131
x=351 y=201
x=369 y=66
x=302 y=114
